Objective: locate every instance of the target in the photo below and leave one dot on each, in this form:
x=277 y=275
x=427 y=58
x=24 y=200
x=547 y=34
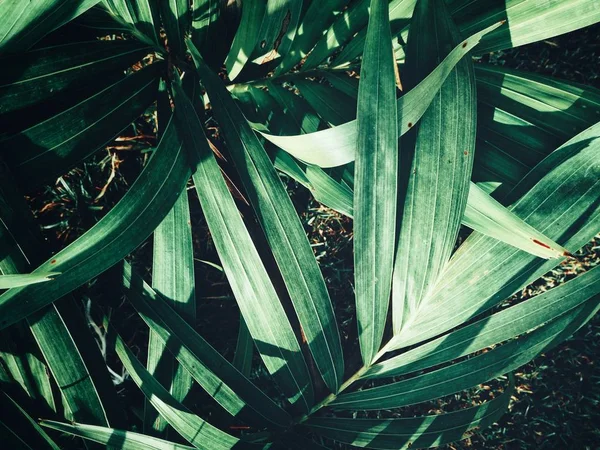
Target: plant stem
x=345 y=385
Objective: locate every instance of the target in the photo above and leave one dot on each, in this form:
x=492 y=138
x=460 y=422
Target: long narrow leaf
x=117 y=234
x=26 y=23
x=472 y=371
x=247 y=276
x=438 y=180
x=11 y=281
x=337 y=146
x=246 y=37
x=42 y=74
x=173 y=277
x=376 y=183
x=413 y=432
x=282 y=228
x=125 y=440
x=495 y=329
x=198 y=432
x=50 y=148
x=217 y=376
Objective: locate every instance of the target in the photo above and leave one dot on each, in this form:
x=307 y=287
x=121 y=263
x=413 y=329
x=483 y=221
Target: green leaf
x=277 y=31
x=27 y=428
x=400 y=13
x=413 y=432
x=11 y=281
x=282 y=228
x=176 y=16
x=337 y=146
x=112 y=238
x=25 y=23
x=343 y=28
x=523 y=117
x=24 y=364
x=250 y=283
x=331 y=104
x=50 y=148
x=376 y=183
x=195 y=430
x=486 y=215
x=438 y=179
x=295 y=109
x=127 y=440
x=318 y=16
x=244 y=350
x=43 y=74
x=215 y=374
x=245 y=38
x=473 y=371
x=494 y=329
x=205 y=19
x=173 y=278
x=142 y=15
x=527 y=22
x=60 y=331
x=559 y=198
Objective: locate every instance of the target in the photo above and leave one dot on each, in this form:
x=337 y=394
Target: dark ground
x=556 y=405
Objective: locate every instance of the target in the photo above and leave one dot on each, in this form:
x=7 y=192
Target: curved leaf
x=25 y=23
x=126 y=440
x=247 y=276
x=413 y=432
x=50 y=148
x=438 y=179
x=337 y=146
x=42 y=74
x=195 y=430
x=282 y=228
x=118 y=233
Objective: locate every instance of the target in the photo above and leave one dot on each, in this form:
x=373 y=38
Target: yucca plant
x=379 y=110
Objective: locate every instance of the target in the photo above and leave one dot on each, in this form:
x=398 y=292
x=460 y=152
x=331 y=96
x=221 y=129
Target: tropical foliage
x=385 y=113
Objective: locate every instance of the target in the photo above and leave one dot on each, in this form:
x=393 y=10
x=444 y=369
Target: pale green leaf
x=337 y=146
x=376 y=183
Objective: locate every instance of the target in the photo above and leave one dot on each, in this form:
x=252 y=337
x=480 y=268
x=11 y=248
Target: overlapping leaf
x=438 y=179
x=282 y=228
x=414 y=432
x=24 y=23
x=194 y=429
x=50 y=148
x=337 y=146
x=217 y=376
x=117 y=234
x=247 y=276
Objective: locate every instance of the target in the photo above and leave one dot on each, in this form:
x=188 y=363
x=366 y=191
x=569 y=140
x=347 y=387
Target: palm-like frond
x=509 y=154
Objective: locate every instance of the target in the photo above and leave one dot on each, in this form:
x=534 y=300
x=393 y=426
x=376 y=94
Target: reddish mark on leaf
x=53 y=261
x=410 y=124
x=466 y=153
x=464 y=44
x=535 y=241
x=569 y=254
